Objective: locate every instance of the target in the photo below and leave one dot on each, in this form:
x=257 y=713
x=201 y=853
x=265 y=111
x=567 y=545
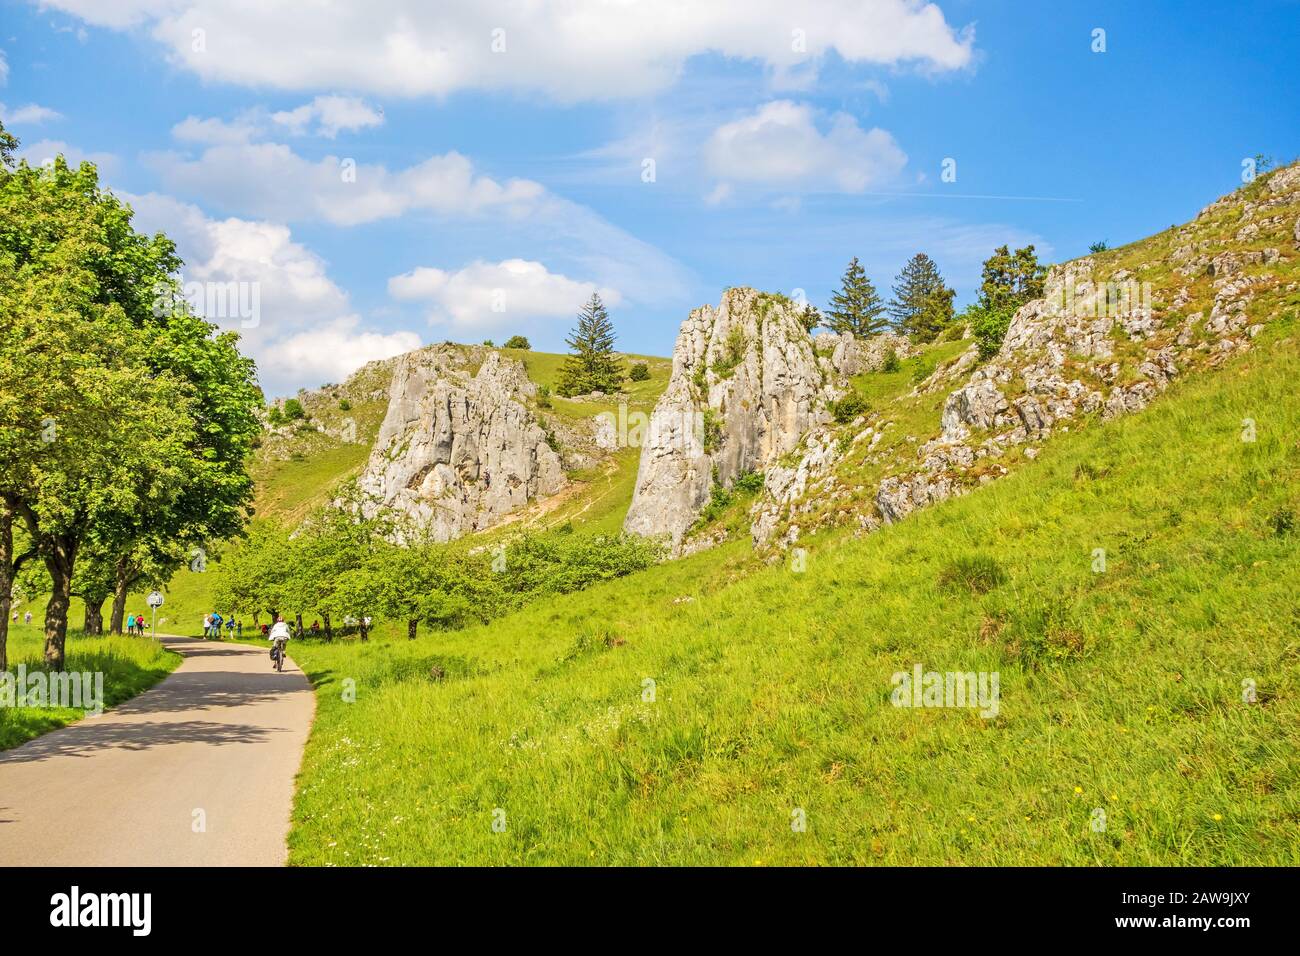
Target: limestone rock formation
x=745 y=387
x=852 y=356
x=458 y=448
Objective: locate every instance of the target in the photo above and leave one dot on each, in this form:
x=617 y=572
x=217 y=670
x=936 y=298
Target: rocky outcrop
x=746 y=385
x=850 y=355
x=459 y=448
x=1103 y=341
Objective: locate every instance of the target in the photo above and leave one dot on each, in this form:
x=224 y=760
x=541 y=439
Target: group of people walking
x=214 y=622
x=135 y=624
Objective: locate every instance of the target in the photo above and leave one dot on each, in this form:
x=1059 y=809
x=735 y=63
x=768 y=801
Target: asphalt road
x=197 y=771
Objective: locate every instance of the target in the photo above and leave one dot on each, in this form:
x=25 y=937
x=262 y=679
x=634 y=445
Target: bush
x=719 y=500
x=750 y=483
x=293 y=410
x=712 y=431
x=558 y=563
x=1098 y=247
x=978 y=574
x=891 y=362
x=344 y=405
x=517 y=342
x=640 y=372
x=849 y=407
x=544 y=396
x=1282 y=522
x=989 y=326
x=489 y=343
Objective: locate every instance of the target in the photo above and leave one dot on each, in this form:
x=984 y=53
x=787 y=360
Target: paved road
x=197 y=771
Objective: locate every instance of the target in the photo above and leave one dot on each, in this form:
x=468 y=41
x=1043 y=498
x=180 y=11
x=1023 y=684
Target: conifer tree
x=922 y=304
x=591 y=365
x=857 y=308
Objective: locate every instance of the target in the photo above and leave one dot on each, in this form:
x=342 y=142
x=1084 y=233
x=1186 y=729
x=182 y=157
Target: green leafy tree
x=922 y=305
x=591 y=365
x=1010 y=279
x=517 y=342
x=121 y=413
x=856 y=308
x=639 y=372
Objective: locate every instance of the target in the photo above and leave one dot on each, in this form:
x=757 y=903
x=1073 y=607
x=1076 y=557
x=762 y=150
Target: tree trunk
x=6 y=580
x=59 y=561
x=411 y=625
x=121 y=585
x=329 y=633
x=94 y=623
x=299 y=619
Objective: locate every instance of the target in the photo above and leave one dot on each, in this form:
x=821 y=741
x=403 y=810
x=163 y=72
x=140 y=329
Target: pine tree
x=922 y=304
x=591 y=365
x=857 y=307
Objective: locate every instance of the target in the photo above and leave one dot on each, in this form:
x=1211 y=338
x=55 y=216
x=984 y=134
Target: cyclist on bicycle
x=278 y=637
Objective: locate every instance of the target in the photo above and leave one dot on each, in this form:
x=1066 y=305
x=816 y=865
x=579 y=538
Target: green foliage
x=750 y=483
x=922 y=305
x=293 y=410
x=591 y=365
x=344 y=405
x=1097 y=247
x=845 y=409
x=123 y=416
x=712 y=436
x=733 y=353
x=544 y=396
x=891 y=363
x=489 y=343
x=810 y=318
x=857 y=307
x=517 y=342
x=1010 y=279
x=639 y=372
x=988 y=325
x=719 y=501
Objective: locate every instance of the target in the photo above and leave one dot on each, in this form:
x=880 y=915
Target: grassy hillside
x=1121 y=690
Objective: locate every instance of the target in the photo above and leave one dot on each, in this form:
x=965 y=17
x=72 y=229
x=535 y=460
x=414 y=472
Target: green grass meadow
x=1156 y=692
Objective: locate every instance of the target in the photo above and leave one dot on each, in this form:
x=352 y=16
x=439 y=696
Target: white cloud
x=43 y=151
x=213 y=131
x=413 y=47
x=490 y=296
x=270 y=180
x=304 y=331
x=332 y=352
x=780 y=145
x=328 y=115
x=31 y=113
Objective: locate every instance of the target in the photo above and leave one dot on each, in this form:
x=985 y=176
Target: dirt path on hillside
x=197 y=771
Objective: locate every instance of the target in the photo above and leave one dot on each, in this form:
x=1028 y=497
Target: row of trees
x=922 y=303
x=343 y=569
x=125 y=427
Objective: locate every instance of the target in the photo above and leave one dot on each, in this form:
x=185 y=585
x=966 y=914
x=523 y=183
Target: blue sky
x=501 y=149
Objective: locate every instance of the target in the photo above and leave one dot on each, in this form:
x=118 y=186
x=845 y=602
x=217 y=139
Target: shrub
x=989 y=326
x=978 y=574
x=275 y=416
x=719 y=500
x=892 y=363
x=733 y=353
x=848 y=408
x=544 y=396
x=750 y=483
x=1098 y=247
x=640 y=372
x=489 y=343
x=1282 y=522
x=293 y=410
x=517 y=342
x=344 y=405
x=712 y=431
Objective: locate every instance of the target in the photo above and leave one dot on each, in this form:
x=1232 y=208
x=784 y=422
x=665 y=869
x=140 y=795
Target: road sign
x=155 y=599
